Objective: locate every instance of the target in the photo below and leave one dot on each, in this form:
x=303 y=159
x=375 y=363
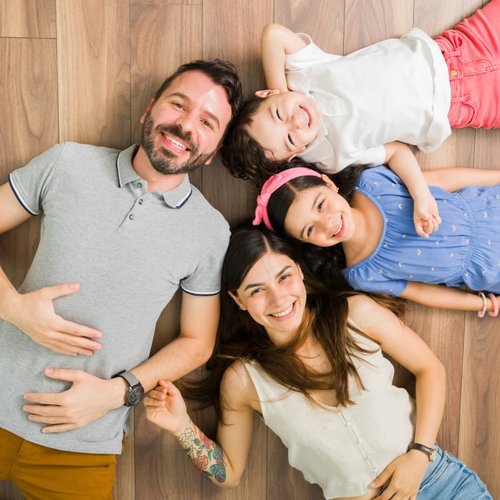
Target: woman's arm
x=277 y=42
x=400 y=159
x=444 y=297
x=404 y=474
x=222 y=461
x=409 y=350
x=453 y=179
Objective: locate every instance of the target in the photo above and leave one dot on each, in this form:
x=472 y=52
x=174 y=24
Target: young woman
x=373 y=240
x=306 y=359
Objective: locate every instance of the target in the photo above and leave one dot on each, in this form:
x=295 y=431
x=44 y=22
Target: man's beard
x=162 y=159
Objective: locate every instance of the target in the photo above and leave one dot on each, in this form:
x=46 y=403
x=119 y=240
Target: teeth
x=283 y=313
x=306 y=116
x=175 y=142
x=339 y=228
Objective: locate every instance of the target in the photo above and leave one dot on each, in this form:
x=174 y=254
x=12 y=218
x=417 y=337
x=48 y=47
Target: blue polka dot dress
x=464 y=251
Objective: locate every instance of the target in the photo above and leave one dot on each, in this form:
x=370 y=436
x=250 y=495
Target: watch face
x=135 y=395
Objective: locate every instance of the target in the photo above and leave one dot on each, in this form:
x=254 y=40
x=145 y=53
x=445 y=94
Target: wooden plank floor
x=83 y=70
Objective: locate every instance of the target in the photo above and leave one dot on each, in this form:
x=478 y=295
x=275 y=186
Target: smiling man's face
x=183 y=128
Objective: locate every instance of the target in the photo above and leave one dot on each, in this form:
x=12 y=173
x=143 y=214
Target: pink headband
x=271 y=185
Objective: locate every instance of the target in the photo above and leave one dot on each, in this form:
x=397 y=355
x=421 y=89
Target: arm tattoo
x=205 y=454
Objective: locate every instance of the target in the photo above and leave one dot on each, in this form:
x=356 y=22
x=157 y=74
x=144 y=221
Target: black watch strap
x=430 y=452
x=135 y=391
x=129 y=377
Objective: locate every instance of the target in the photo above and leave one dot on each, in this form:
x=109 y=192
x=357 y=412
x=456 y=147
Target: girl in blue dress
x=372 y=238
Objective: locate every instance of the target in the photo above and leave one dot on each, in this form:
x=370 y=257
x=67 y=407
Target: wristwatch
x=430 y=452
x=135 y=391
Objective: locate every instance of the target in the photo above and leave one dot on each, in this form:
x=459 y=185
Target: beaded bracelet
x=494 y=301
x=482 y=312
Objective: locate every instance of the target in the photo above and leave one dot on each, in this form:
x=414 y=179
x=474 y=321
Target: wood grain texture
x=94 y=71
x=84 y=70
x=28 y=96
x=28 y=18
x=124 y=487
x=370 y=21
x=479 y=440
x=324 y=18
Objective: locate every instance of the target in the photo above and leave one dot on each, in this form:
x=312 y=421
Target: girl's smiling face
x=274 y=295
x=285 y=123
x=320 y=216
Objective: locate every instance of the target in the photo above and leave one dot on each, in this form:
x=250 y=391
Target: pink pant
x=472 y=53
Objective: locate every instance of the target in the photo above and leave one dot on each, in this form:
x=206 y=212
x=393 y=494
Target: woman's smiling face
x=274 y=295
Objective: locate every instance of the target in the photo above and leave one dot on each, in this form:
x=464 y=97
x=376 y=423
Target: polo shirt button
x=139 y=184
x=141 y=202
x=131 y=216
x=453 y=72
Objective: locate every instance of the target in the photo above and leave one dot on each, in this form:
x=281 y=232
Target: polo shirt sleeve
x=32 y=182
x=205 y=280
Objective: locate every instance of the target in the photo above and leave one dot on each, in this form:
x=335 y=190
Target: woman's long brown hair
x=240 y=337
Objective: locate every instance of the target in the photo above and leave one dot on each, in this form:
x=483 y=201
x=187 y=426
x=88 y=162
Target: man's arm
x=13 y=214
x=91 y=397
x=402 y=161
x=277 y=42
x=191 y=349
x=33 y=313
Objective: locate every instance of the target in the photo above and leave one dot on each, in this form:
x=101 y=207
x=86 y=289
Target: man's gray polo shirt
x=129 y=249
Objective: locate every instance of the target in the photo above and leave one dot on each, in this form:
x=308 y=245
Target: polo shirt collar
x=175 y=198
x=124 y=168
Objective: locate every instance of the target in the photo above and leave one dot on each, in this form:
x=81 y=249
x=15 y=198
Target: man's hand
x=402 y=477
x=88 y=399
x=33 y=313
x=426 y=215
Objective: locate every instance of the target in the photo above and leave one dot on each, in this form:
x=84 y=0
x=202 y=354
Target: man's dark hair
x=221 y=72
x=243 y=156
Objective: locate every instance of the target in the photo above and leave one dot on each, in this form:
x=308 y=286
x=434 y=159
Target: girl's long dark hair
x=240 y=337
x=324 y=263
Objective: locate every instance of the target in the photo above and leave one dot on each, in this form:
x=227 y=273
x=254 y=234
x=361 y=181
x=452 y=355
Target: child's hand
x=166 y=408
x=426 y=216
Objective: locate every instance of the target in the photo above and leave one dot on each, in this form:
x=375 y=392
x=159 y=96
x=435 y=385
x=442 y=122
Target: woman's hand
x=166 y=408
x=402 y=478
